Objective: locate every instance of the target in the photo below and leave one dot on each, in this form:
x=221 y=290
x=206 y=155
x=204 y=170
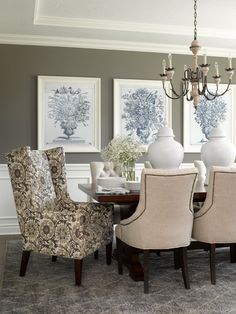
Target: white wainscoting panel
x=76 y=173
x=8 y=219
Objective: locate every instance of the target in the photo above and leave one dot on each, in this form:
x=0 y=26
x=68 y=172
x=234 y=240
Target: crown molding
x=125 y=26
x=52 y=41
x=111 y=25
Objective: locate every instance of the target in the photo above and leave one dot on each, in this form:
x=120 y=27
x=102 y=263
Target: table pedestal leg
x=136 y=269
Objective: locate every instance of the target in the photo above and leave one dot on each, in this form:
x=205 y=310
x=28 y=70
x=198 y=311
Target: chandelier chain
x=195 y=19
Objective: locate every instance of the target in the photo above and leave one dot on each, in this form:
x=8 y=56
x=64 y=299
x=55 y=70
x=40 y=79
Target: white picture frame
x=193 y=135
x=69 y=113
x=154 y=107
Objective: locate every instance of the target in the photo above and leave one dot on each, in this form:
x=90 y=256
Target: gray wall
x=20 y=65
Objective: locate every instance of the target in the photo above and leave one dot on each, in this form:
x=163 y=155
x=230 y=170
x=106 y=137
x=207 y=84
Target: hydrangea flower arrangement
x=123 y=151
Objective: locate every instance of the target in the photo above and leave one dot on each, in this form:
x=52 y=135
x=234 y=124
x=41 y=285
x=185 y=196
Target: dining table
x=131 y=200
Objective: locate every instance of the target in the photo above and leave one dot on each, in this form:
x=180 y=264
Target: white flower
x=122 y=149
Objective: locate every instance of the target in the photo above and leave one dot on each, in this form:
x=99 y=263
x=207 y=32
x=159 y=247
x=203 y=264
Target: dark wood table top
x=132 y=197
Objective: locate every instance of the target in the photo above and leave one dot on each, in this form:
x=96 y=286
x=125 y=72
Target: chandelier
x=195 y=78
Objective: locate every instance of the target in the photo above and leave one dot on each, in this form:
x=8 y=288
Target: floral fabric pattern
x=56 y=161
x=50 y=222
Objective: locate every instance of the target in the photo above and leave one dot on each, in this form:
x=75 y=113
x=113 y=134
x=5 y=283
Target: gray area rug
x=49 y=287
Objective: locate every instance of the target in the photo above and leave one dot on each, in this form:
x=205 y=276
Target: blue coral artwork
x=140 y=109
x=69 y=113
x=209 y=114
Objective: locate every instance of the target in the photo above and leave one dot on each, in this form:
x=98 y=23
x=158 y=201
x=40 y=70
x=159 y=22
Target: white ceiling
x=151 y=25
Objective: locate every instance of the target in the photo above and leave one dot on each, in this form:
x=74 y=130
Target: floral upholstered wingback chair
x=50 y=222
x=56 y=162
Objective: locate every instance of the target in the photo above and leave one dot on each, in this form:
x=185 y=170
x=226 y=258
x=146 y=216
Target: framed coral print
x=69 y=113
x=199 y=122
x=140 y=109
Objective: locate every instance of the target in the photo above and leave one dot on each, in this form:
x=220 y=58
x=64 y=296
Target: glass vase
x=128 y=171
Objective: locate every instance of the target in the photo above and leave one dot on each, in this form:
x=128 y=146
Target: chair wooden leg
x=24 y=262
x=212 y=263
x=177 y=259
x=95 y=254
x=108 y=253
x=54 y=258
x=146 y=271
x=78 y=271
x=233 y=253
x=119 y=256
x=184 y=266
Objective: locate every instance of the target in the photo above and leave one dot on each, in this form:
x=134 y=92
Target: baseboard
x=9 y=226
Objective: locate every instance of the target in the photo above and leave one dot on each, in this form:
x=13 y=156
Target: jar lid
x=217 y=132
x=165 y=132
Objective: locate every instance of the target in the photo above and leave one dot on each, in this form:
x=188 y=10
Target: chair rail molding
x=76 y=173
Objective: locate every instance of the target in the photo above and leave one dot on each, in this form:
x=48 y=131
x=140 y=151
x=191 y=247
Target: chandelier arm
x=221 y=94
x=226 y=90
x=204 y=85
x=186 y=88
x=208 y=98
x=171 y=96
x=189 y=98
x=212 y=94
x=173 y=90
x=184 y=93
x=216 y=94
x=198 y=88
x=204 y=88
x=177 y=96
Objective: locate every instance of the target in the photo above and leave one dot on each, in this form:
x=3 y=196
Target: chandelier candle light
x=197 y=75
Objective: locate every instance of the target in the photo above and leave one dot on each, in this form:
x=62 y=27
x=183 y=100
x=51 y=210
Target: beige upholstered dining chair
x=163 y=218
x=103 y=170
x=50 y=222
x=215 y=222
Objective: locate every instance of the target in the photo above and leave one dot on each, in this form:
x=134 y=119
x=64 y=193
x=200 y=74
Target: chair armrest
x=94 y=207
x=138 y=212
x=78 y=217
x=70 y=205
x=91 y=212
x=84 y=214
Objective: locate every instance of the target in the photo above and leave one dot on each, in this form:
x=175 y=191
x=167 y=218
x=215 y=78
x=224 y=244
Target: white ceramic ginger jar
x=217 y=151
x=165 y=152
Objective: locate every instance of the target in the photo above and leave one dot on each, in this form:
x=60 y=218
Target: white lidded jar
x=165 y=152
x=217 y=151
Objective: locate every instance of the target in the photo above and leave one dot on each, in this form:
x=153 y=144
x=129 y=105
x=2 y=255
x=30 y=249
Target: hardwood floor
x=3 y=240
